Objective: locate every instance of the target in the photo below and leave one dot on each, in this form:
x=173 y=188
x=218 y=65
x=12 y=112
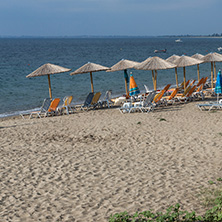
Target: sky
x=109 y=17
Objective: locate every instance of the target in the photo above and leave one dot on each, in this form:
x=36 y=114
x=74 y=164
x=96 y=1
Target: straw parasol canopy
x=200 y=57
x=212 y=58
x=123 y=64
x=184 y=61
x=48 y=69
x=154 y=63
x=172 y=59
x=90 y=68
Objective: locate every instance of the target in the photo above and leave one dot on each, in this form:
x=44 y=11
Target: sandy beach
x=89 y=165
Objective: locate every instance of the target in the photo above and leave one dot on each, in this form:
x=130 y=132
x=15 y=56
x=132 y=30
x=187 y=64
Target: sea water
x=21 y=56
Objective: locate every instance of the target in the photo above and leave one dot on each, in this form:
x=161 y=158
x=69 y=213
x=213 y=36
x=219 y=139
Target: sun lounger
x=144 y=106
x=209 y=106
x=95 y=100
x=52 y=110
x=44 y=108
x=170 y=99
x=66 y=105
x=88 y=101
x=106 y=100
x=159 y=96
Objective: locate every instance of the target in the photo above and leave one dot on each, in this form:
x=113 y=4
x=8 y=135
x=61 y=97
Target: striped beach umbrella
x=218 y=87
x=133 y=88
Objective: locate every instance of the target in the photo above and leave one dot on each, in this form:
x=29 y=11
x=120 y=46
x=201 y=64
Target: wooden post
x=184 y=78
x=176 y=77
x=198 y=72
x=126 y=87
x=155 y=80
x=50 y=89
x=215 y=74
x=92 y=89
x=212 y=76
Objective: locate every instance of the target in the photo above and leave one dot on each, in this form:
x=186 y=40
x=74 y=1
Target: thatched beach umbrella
x=123 y=64
x=48 y=69
x=212 y=58
x=90 y=68
x=154 y=64
x=200 y=57
x=184 y=61
x=172 y=59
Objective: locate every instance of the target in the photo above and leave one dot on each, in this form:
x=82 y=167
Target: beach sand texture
x=86 y=166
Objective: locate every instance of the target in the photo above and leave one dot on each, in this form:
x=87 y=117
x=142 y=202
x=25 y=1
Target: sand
x=89 y=165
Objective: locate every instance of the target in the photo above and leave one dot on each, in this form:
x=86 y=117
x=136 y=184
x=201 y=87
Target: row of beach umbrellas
x=151 y=63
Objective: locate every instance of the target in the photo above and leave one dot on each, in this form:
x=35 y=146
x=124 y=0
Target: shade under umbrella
x=90 y=68
x=172 y=59
x=212 y=58
x=218 y=86
x=154 y=64
x=48 y=69
x=184 y=61
x=200 y=57
x=133 y=89
x=123 y=64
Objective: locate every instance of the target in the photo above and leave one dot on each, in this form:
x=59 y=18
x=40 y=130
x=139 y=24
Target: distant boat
x=162 y=50
x=219 y=49
x=178 y=40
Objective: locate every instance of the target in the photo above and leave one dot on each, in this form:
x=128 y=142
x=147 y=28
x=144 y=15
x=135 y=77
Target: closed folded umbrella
x=200 y=57
x=154 y=64
x=133 y=88
x=123 y=64
x=90 y=68
x=218 y=86
x=48 y=69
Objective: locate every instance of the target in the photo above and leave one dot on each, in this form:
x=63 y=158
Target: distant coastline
x=111 y=36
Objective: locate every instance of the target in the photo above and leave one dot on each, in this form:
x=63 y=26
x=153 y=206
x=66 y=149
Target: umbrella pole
x=215 y=74
x=176 y=77
x=212 y=76
x=50 y=89
x=184 y=78
x=155 y=80
x=92 y=89
x=198 y=72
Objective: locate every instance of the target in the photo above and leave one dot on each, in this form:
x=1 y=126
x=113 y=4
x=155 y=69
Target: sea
x=21 y=56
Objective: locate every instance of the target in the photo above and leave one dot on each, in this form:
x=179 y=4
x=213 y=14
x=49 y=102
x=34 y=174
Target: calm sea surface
x=19 y=57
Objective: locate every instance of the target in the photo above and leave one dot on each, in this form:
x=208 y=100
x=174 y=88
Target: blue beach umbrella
x=218 y=86
x=133 y=89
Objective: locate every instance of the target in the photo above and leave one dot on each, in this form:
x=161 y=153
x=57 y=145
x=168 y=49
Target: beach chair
x=125 y=108
x=188 y=96
x=209 y=106
x=67 y=105
x=44 y=108
x=53 y=107
x=180 y=96
x=95 y=100
x=88 y=101
x=144 y=106
x=106 y=100
x=170 y=99
x=159 y=96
